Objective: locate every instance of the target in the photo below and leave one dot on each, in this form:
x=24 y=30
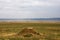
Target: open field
x=47 y=30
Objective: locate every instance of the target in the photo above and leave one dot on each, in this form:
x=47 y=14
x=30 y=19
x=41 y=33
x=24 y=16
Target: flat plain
x=47 y=30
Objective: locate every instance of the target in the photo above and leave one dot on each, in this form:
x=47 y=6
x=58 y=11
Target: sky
x=29 y=8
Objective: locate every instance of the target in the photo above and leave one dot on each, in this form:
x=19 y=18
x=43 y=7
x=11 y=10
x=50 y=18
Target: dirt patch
x=28 y=32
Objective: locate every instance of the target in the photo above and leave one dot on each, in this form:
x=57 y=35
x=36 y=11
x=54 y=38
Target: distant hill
x=29 y=18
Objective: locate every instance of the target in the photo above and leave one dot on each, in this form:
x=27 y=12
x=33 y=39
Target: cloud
x=29 y=8
x=41 y=3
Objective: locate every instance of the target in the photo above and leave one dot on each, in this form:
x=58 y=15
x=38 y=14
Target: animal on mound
x=28 y=32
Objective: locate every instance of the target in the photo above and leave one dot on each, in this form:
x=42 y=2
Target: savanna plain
x=18 y=30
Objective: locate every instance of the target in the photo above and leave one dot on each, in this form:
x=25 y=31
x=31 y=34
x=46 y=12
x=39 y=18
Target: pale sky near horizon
x=29 y=8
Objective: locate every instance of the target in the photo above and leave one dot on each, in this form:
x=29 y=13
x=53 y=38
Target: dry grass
x=47 y=30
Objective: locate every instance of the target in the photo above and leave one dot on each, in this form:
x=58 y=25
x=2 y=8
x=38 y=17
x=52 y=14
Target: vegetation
x=48 y=31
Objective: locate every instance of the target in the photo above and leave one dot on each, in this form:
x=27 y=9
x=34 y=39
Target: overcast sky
x=29 y=8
